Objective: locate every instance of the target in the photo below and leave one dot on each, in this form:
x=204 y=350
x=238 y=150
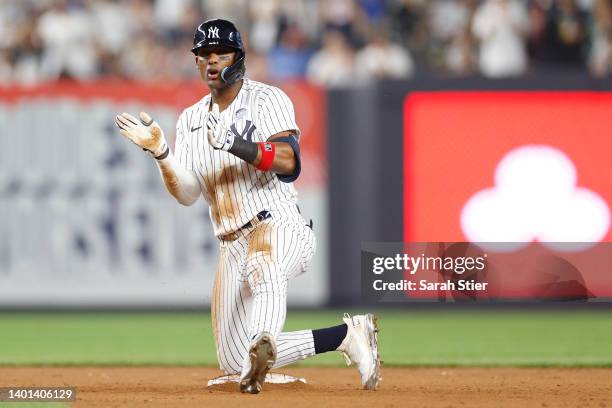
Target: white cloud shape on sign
x=535 y=197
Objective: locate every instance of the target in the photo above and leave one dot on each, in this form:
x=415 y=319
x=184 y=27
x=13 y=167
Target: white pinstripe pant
x=250 y=290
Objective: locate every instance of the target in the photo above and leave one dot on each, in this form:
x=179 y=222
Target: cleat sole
x=263 y=356
x=374 y=380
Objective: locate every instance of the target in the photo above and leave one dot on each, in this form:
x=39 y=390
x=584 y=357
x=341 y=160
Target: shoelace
x=347 y=358
x=344 y=353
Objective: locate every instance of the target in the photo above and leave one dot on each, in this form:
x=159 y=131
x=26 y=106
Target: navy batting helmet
x=224 y=33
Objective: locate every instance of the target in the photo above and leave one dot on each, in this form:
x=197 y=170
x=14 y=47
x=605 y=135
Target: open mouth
x=212 y=74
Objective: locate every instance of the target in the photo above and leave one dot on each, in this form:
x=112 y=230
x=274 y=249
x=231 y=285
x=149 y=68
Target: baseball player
x=239 y=148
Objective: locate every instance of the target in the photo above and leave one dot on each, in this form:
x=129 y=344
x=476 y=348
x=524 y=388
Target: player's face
x=211 y=61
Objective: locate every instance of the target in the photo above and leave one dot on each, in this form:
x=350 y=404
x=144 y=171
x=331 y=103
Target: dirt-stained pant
x=250 y=290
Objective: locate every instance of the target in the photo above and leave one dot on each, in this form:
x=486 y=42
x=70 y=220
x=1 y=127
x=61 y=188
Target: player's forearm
x=284 y=159
x=278 y=155
x=181 y=183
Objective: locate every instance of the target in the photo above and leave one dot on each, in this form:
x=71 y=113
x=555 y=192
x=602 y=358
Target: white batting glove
x=218 y=136
x=145 y=133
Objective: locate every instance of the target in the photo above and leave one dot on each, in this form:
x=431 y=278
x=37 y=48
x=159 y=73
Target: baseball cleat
x=262 y=356
x=360 y=346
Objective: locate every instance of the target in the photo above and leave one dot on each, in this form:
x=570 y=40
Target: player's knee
x=275 y=288
x=269 y=274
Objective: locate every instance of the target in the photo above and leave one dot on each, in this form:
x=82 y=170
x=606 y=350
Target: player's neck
x=224 y=96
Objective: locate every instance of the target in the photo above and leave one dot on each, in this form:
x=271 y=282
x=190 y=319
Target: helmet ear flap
x=234 y=72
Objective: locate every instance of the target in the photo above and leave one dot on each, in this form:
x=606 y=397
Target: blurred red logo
x=507 y=166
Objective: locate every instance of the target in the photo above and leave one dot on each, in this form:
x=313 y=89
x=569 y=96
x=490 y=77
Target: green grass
x=32 y=405
x=534 y=338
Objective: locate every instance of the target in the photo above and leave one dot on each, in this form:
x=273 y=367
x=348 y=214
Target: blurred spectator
x=7 y=42
x=264 y=27
x=6 y=68
x=565 y=33
x=290 y=58
x=169 y=13
x=114 y=24
x=175 y=60
x=500 y=27
x=374 y=10
x=381 y=59
x=67 y=36
x=304 y=14
x=141 y=16
x=459 y=56
x=333 y=65
x=409 y=24
x=536 y=37
x=137 y=63
x=141 y=44
x=600 y=56
x=450 y=43
x=179 y=61
x=26 y=50
x=344 y=16
x=114 y=30
x=448 y=18
x=235 y=10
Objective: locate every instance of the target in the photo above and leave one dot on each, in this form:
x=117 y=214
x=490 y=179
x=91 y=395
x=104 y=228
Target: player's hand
x=143 y=132
x=218 y=136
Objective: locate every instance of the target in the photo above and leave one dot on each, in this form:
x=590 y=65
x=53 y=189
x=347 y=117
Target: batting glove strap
x=165 y=151
x=244 y=149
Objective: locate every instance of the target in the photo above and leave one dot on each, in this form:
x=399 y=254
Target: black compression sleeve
x=244 y=149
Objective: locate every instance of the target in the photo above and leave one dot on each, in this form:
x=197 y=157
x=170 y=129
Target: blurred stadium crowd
x=335 y=43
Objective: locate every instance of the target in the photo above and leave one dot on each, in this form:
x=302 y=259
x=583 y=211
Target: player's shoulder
x=251 y=85
x=262 y=91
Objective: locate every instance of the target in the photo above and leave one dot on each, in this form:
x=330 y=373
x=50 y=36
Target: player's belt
x=261 y=216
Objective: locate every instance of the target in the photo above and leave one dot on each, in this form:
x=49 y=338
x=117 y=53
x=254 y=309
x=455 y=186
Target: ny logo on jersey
x=213 y=32
x=247 y=132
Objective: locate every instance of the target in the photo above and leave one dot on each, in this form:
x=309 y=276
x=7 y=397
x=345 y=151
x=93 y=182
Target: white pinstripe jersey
x=235 y=190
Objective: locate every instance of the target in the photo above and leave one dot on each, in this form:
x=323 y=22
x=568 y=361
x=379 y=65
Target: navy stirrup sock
x=329 y=339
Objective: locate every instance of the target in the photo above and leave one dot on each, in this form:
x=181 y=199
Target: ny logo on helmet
x=213 y=32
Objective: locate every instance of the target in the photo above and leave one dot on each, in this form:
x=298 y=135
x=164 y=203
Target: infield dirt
x=337 y=387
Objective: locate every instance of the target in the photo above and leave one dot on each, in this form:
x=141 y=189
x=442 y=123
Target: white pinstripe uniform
x=250 y=290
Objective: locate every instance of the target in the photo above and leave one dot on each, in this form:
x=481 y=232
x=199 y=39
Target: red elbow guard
x=267 y=156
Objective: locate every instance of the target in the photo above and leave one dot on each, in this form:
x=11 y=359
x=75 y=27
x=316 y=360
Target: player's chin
x=216 y=83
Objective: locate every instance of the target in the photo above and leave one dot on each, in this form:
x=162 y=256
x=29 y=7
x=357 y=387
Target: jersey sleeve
x=182 y=151
x=277 y=115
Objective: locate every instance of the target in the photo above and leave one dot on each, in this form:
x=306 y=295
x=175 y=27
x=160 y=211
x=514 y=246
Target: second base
x=271 y=378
